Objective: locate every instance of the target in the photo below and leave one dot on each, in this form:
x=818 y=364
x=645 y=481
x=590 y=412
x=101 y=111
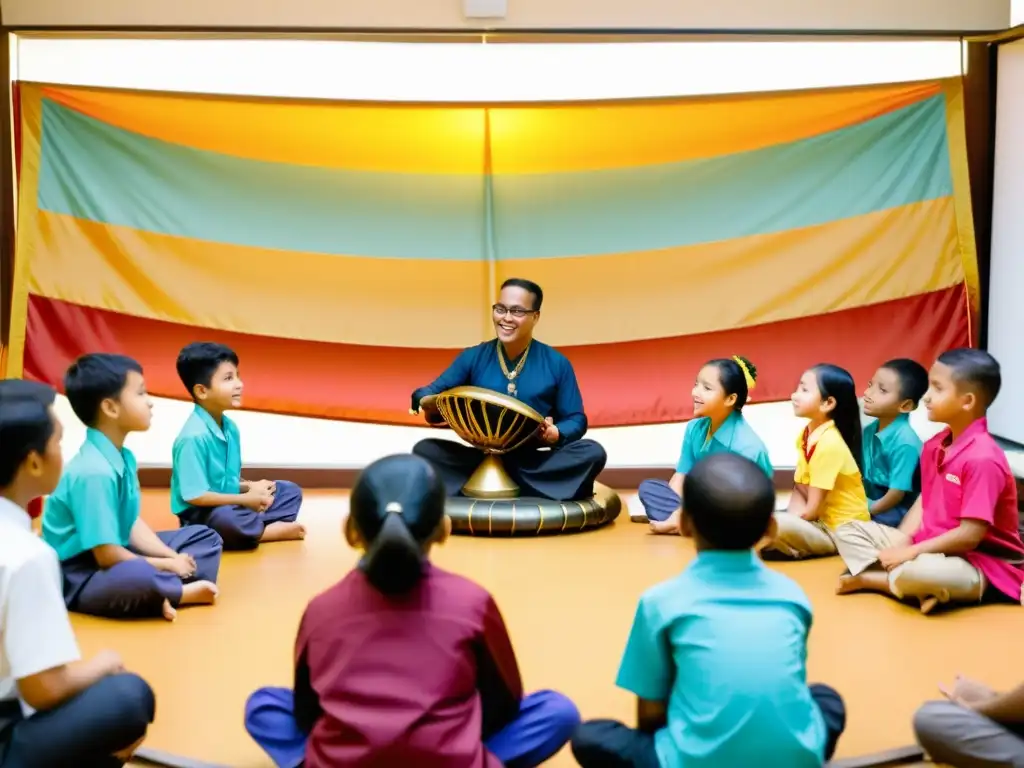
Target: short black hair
x=976 y=369
x=526 y=285
x=729 y=501
x=198 y=361
x=26 y=424
x=913 y=378
x=93 y=378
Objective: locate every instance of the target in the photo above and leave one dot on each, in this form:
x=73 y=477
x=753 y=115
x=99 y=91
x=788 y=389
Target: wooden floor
x=568 y=601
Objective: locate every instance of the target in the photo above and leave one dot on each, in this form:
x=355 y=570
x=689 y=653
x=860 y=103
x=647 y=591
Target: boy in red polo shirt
x=959 y=543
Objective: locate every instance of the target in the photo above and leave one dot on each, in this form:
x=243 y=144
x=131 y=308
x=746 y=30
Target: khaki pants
x=946 y=578
x=799 y=538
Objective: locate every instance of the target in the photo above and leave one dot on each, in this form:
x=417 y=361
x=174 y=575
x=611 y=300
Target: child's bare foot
x=849 y=584
x=199 y=593
x=294 y=531
x=663 y=527
x=168 y=611
x=928 y=605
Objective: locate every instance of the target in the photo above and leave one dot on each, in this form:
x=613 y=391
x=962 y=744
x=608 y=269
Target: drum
x=496 y=424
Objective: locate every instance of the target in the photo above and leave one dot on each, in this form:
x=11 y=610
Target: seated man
x=541 y=377
x=55 y=708
x=976 y=727
x=960 y=541
x=114 y=564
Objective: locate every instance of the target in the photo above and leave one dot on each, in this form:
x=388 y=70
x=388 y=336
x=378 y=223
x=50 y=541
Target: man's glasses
x=500 y=310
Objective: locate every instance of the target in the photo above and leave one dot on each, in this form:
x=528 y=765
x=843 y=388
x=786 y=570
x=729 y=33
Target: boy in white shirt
x=55 y=709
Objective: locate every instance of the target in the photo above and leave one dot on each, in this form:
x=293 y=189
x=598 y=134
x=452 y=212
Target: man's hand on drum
x=548 y=432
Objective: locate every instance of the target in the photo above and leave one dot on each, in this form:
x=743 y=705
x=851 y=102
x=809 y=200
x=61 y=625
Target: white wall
x=432 y=72
x=286 y=441
x=952 y=15
x=1006 y=285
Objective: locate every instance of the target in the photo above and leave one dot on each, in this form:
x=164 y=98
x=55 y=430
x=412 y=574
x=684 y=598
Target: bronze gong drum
x=498 y=424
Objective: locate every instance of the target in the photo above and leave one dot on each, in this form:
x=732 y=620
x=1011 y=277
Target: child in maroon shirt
x=401 y=663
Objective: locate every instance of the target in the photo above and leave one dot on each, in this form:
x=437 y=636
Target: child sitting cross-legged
x=892 y=449
x=114 y=565
x=707 y=697
x=401 y=663
x=960 y=541
x=56 y=709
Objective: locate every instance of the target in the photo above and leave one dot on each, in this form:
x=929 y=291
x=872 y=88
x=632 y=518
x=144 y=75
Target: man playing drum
x=559 y=465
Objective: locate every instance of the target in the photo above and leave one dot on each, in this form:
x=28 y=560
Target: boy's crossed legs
x=955 y=735
x=929 y=578
x=611 y=744
x=100 y=727
x=243 y=530
x=136 y=589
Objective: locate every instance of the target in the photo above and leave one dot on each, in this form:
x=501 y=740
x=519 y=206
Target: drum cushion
x=527 y=516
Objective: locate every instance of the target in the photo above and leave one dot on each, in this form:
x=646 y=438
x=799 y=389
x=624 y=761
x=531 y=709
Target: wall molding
x=343 y=478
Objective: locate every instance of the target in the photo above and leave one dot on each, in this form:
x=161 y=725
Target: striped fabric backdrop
x=346 y=251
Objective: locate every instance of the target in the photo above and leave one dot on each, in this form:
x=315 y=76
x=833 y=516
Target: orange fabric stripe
x=535 y=138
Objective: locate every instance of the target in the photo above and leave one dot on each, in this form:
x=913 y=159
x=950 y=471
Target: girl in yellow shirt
x=829 y=490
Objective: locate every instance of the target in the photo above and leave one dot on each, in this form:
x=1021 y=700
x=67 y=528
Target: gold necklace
x=511 y=375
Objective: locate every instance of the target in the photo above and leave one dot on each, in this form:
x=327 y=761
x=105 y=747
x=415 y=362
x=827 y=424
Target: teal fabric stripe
x=95 y=171
x=899 y=158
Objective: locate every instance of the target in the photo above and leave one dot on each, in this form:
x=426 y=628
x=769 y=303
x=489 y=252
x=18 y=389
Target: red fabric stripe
x=639 y=382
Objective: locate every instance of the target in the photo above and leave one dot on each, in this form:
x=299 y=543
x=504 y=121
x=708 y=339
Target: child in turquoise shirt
x=113 y=564
x=892 y=449
x=206 y=480
x=719 y=394
x=707 y=697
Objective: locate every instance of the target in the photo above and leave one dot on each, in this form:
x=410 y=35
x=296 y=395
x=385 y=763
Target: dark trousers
x=240 y=527
x=561 y=474
x=106 y=718
x=134 y=588
x=610 y=744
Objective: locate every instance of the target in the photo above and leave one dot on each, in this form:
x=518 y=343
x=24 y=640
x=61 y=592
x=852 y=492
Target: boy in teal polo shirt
x=892 y=449
x=206 y=481
x=707 y=697
x=113 y=564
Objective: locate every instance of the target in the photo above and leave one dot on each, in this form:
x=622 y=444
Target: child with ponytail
x=402 y=663
x=828 y=491
x=719 y=394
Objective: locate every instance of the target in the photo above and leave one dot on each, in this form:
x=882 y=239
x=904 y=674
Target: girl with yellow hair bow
x=719 y=394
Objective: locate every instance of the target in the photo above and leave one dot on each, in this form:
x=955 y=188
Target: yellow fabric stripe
x=542 y=138
x=957 y=138
x=750 y=281
x=429 y=304
x=378 y=302
x=25 y=235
